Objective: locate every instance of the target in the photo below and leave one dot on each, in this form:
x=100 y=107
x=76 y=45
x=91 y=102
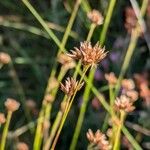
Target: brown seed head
x=95 y=17
x=70 y=86
x=22 y=146
x=132 y=94
x=53 y=83
x=111 y=78
x=4 y=58
x=11 y=104
x=2 y=118
x=66 y=61
x=128 y=84
x=124 y=103
x=99 y=139
x=89 y=55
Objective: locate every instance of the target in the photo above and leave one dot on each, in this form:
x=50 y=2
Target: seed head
x=128 y=84
x=71 y=85
x=111 y=78
x=66 y=61
x=2 y=118
x=132 y=94
x=87 y=54
x=48 y=99
x=11 y=104
x=99 y=139
x=22 y=146
x=95 y=17
x=124 y=103
x=4 y=58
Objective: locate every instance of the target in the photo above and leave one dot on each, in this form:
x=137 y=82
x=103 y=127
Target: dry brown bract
x=124 y=103
x=2 y=118
x=66 y=61
x=22 y=146
x=87 y=54
x=11 y=105
x=4 y=58
x=98 y=139
x=96 y=17
x=71 y=85
x=111 y=78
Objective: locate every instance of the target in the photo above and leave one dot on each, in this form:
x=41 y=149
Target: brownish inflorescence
x=2 y=118
x=71 y=85
x=4 y=58
x=124 y=103
x=98 y=140
x=111 y=78
x=95 y=17
x=66 y=61
x=12 y=105
x=22 y=146
x=87 y=54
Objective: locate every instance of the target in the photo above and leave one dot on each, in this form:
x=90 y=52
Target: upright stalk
x=118 y=132
x=90 y=78
x=5 y=131
x=68 y=109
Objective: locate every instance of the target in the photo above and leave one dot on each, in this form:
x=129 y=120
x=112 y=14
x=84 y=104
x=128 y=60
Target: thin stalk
x=68 y=109
x=5 y=131
x=107 y=21
x=69 y=26
x=20 y=91
x=53 y=130
x=118 y=132
x=42 y=22
x=91 y=77
x=134 y=38
x=38 y=133
x=91 y=31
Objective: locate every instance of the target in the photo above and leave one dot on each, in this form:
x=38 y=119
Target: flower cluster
x=71 y=85
x=111 y=78
x=12 y=105
x=66 y=61
x=98 y=139
x=4 y=58
x=88 y=54
x=95 y=17
x=2 y=118
x=124 y=103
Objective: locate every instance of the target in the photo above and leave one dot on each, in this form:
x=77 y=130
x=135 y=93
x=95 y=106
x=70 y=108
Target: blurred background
x=33 y=53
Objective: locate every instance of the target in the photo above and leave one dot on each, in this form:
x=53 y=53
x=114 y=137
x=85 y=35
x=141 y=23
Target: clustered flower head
x=98 y=139
x=66 y=61
x=2 y=118
x=12 y=105
x=111 y=78
x=128 y=84
x=22 y=146
x=87 y=54
x=95 y=17
x=71 y=85
x=4 y=58
x=124 y=103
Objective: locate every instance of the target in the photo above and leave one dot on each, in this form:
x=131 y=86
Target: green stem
x=107 y=21
x=42 y=22
x=53 y=130
x=68 y=109
x=118 y=133
x=69 y=26
x=5 y=131
x=134 y=38
x=91 y=76
x=91 y=31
